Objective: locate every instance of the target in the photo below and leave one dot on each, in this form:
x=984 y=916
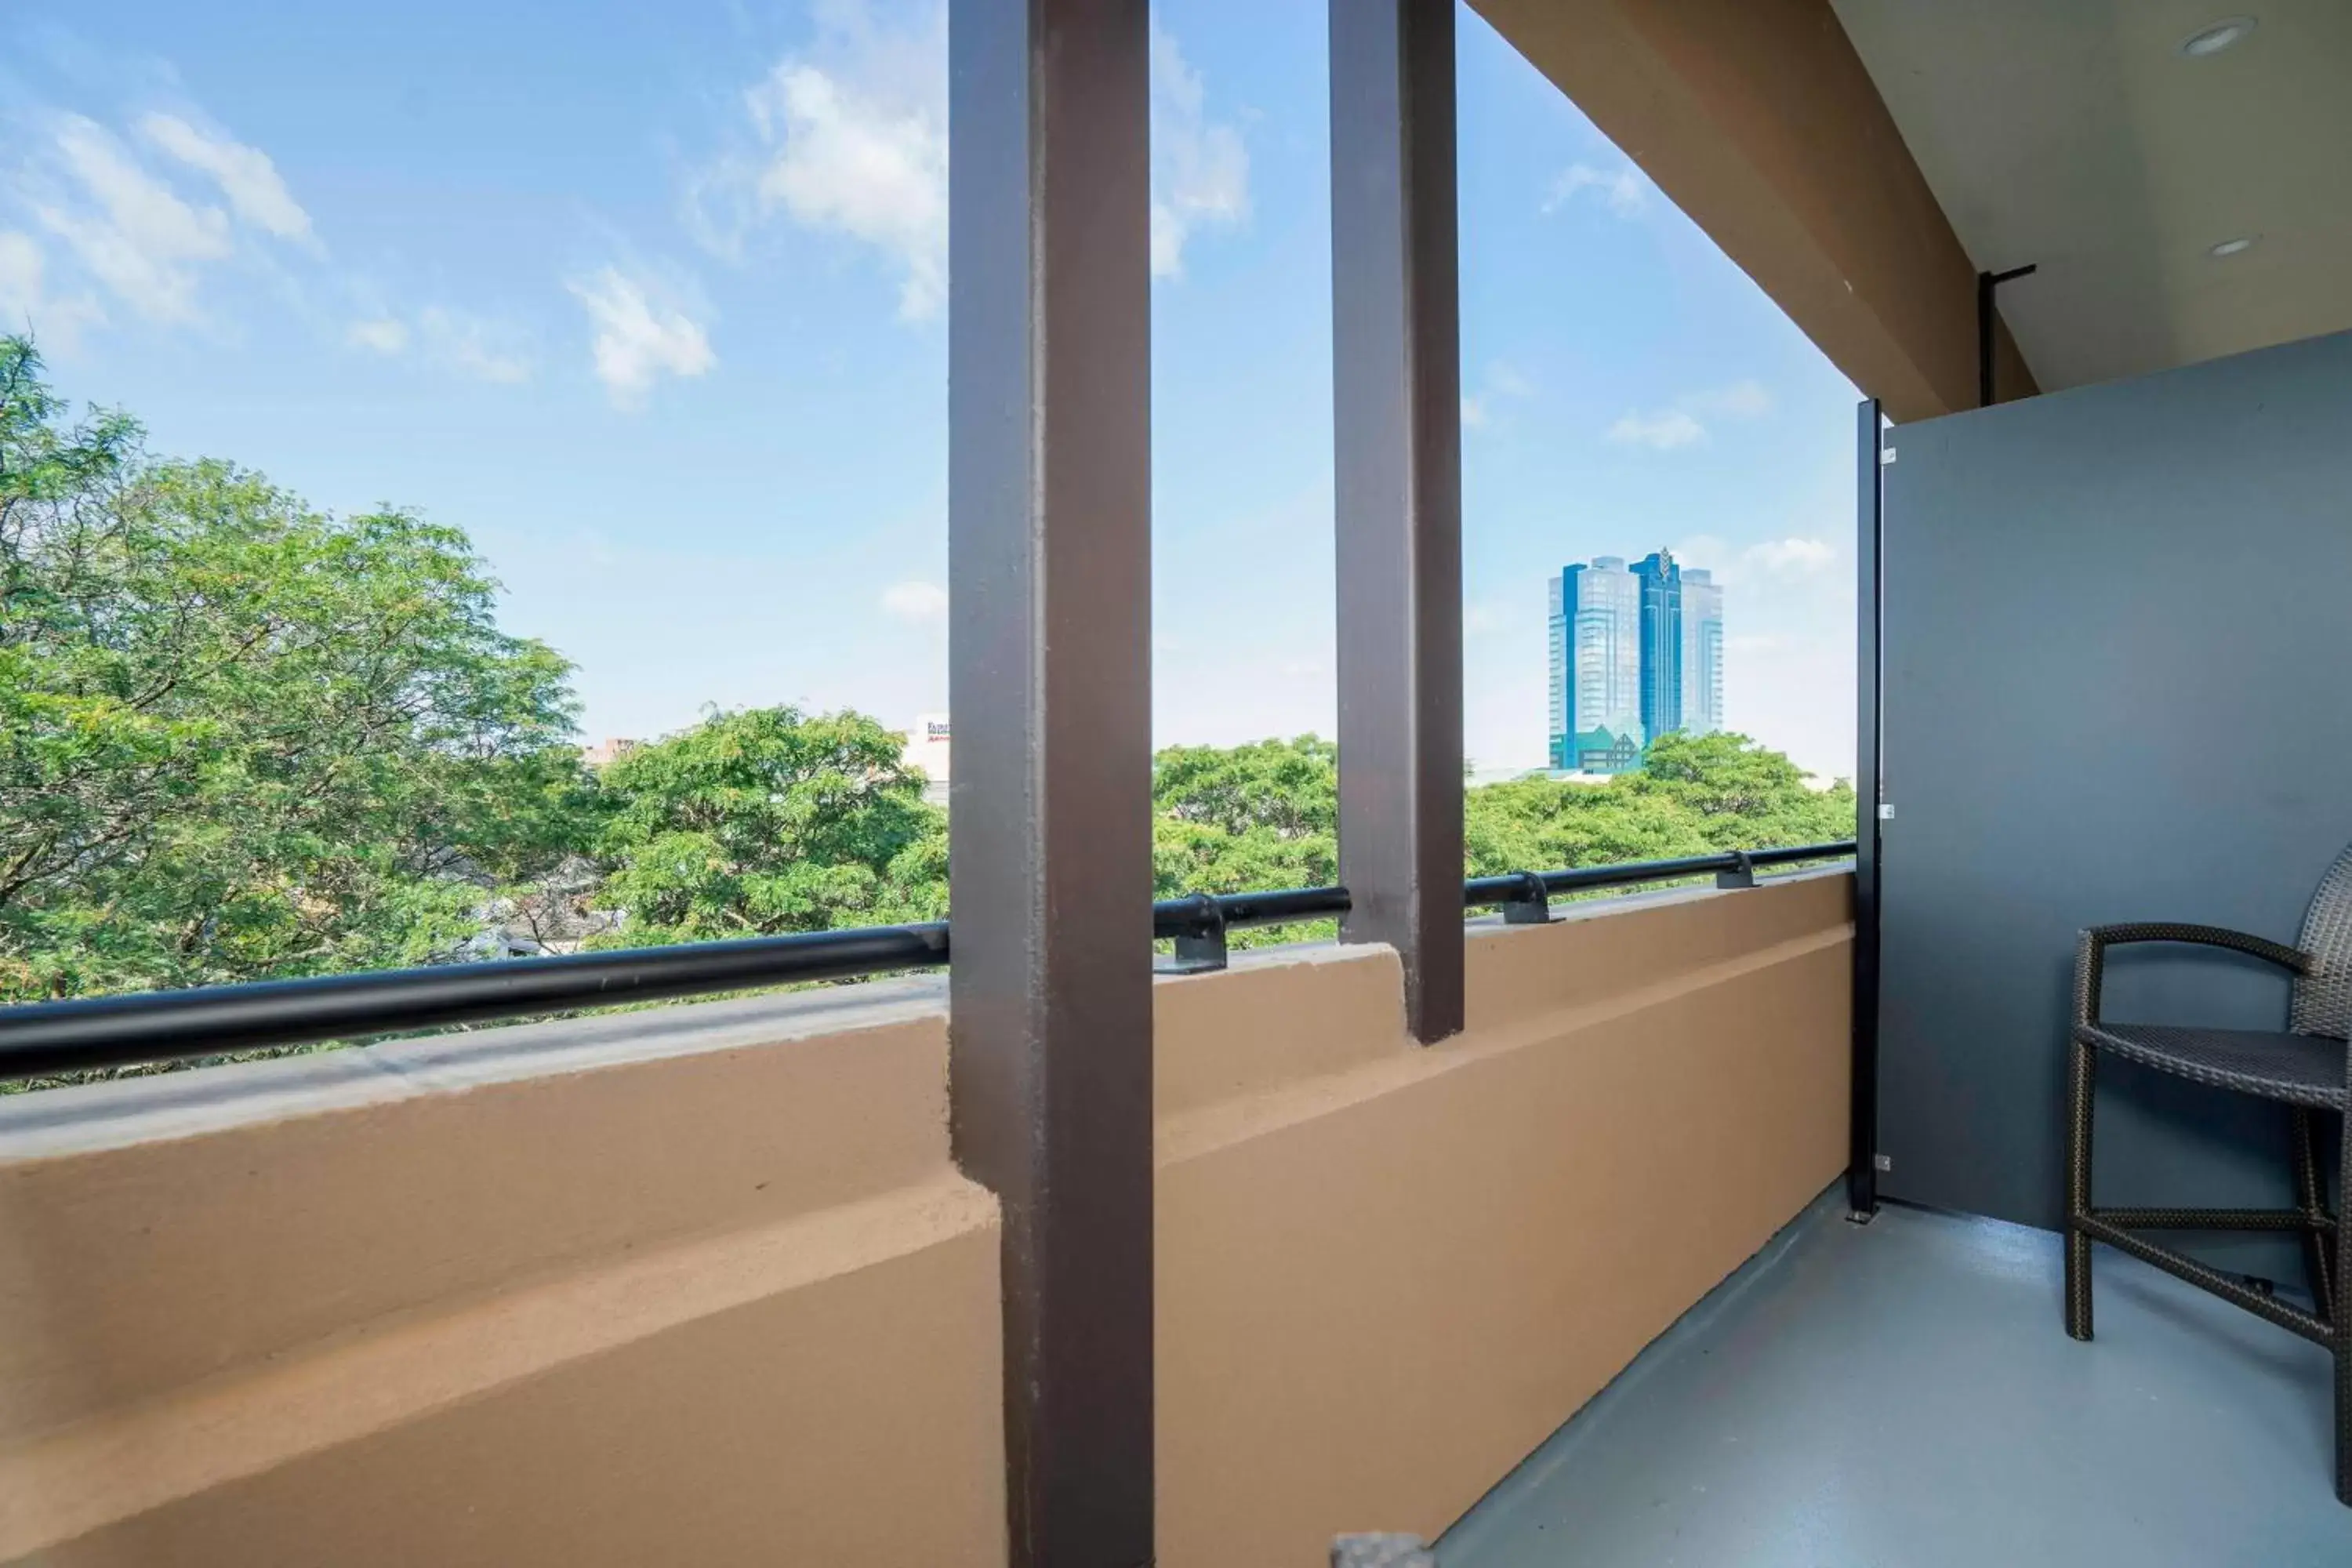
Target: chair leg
x=2082 y=1086
x=2341 y=1320
x=2319 y=1230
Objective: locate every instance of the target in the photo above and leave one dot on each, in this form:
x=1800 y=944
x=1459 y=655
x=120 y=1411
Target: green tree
x=1545 y=824
x=1265 y=815
x=1744 y=796
x=1694 y=795
x=1232 y=819
x=765 y=820
x=1288 y=787
x=239 y=738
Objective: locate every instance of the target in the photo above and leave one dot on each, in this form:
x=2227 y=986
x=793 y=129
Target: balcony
x=1713 y=1223
x=703 y=1283
x=689 y=1283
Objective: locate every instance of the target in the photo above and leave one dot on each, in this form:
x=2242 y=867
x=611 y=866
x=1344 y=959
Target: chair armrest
x=2091 y=953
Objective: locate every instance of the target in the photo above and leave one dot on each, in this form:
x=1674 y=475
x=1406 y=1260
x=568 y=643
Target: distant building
x=1636 y=653
x=1660 y=576
x=928 y=750
x=1702 y=705
x=1596 y=668
x=607 y=751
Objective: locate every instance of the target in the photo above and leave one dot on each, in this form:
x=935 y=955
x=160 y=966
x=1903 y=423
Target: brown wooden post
x=1050 y=870
x=1397 y=409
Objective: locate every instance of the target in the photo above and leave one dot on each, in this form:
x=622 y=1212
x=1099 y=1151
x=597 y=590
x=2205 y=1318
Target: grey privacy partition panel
x=2117 y=686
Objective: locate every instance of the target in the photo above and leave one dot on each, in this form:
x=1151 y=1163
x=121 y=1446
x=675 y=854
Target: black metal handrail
x=1481 y=892
x=40 y=1040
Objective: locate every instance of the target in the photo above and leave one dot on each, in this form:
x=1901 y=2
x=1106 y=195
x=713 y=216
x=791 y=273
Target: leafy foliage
x=239 y=738
x=242 y=739
x=1267 y=815
x=1230 y=820
x=1694 y=794
x=767 y=820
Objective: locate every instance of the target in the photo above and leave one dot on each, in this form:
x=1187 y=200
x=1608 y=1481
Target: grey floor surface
x=1902 y=1395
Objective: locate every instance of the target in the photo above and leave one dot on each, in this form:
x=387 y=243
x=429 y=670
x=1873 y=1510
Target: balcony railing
x=86 y=1034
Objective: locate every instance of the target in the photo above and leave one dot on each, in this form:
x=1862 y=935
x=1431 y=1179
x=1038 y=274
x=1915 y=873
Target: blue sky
x=650 y=301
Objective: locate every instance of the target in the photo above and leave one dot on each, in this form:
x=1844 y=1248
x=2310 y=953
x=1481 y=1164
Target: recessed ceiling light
x=2212 y=40
x=2232 y=247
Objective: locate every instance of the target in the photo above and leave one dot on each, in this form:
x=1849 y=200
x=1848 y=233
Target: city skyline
x=1636 y=652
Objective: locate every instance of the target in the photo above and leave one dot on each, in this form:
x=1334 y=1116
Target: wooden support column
x=1050 y=561
x=1397 y=409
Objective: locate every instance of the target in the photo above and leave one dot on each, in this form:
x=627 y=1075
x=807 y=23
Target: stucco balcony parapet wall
x=700 y=1283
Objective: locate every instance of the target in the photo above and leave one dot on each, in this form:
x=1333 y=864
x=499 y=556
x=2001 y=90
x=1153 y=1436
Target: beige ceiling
x=2073 y=134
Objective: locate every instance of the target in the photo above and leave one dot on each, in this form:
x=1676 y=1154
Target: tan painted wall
x=1759 y=122
x=699 y=1285
x=695 y=1285
x=1381 y=1287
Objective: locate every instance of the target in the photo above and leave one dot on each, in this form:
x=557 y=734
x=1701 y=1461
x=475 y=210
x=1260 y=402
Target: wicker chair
x=2305 y=1067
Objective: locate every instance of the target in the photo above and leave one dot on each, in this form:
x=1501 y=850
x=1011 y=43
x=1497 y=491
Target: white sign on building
x=926 y=749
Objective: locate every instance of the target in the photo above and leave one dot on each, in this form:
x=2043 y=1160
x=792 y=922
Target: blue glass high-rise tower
x=1702 y=671
x=1660 y=579
x=1596 y=665
x=1636 y=653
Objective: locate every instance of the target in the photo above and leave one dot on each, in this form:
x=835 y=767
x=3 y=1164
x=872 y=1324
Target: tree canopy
x=767 y=820
x=240 y=738
x=1267 y=815
x=1232 y=819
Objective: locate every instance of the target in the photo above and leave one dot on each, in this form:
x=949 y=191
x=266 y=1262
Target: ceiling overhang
x=2092 y=141
x=1864 y=160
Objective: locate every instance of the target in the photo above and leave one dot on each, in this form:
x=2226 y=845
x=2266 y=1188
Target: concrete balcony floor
x=1903 y=1396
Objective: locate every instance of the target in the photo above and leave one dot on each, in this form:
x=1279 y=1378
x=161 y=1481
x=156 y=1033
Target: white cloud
x=384 y=334
x=136 y=215
x=245 y=174
x=1502 y=383
x=1200 y=170
x=1791 y=561
x=1509 y=380
x=1625 y=190
x=1792 y=557
x=476 y=346
x=20 y=274
x=853 y=140
x=1711 y=551
x=640 y=336
x=1740 y=400
x=1788 y=670
x=1662 y=431
x=916 y=601
x=129 y=229
x=852 y=164
x=26 y=303
x=1668 y=429
x=849 y=136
